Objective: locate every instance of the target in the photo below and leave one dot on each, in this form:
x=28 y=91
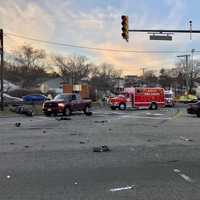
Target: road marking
x=154 y=114
x=122 y=188
x=185 y=177
x=144 y=117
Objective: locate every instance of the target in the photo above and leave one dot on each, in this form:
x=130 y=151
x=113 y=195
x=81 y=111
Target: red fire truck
x=139 y=98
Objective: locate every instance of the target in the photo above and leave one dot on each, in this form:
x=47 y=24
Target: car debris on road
x=63 y=118
x=102 y=121
x=17 y=124
x=103 y=148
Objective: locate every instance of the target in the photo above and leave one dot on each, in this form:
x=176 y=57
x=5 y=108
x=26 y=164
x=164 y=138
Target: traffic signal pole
x=156 y=34
x=2 y=67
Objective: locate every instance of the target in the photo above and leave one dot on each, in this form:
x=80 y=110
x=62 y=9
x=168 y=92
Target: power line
x=94 y=48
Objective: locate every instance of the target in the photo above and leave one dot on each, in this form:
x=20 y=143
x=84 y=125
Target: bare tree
x=150 y=78
x=190 y=73
x=73 y=69
x=27 y=66
x=104 y=77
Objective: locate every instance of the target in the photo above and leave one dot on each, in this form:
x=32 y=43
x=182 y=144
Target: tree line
x=28 y=67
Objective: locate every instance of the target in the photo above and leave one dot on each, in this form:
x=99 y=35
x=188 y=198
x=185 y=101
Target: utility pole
x=143 y=71
x=192 y=68
x=187 y=69
x=2 y=68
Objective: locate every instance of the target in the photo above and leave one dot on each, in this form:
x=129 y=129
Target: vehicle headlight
x=62 y=105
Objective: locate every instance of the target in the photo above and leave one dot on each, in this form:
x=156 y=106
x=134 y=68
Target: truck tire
x=122 y=106
x=48 y=114
x=86 y=110
x=198 y=114
x=67 y=111
x=153 y=106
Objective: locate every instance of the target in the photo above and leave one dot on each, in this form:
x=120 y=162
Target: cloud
x=95 y=27
x=29 y=20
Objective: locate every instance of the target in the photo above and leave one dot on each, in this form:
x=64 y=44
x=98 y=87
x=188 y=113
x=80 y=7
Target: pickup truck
x=66 y=104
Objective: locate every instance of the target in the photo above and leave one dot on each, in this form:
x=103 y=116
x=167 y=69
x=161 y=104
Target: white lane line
x=122 y=188
x=144 y=117
x=154 y=114
x=185 y=177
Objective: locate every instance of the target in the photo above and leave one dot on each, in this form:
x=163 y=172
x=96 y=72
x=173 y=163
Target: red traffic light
x=124 y=27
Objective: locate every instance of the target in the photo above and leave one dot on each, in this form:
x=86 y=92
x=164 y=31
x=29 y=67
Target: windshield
x=60 y=97
x=168 y=95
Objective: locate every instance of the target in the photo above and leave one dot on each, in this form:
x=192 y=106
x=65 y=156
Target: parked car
x=188 y=99
x=194 y=109
x=66 y=104
x=10 y=100
x=34 y=98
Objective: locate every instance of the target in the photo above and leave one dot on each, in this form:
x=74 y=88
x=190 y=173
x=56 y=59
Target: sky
x=97 y=23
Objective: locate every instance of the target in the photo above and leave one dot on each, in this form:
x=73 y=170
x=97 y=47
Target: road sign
x=161 y=37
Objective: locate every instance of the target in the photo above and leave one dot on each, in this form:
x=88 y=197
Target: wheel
x=86 y=110
x=122 y=106
x=198 y=114
x=153 y=106
x=113 y=108
x=67 y=112
x=47 y=114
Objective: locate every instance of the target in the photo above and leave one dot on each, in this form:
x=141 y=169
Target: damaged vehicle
x=66 y=104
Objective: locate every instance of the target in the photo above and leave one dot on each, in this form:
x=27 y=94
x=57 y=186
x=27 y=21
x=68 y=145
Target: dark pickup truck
x=66 y=104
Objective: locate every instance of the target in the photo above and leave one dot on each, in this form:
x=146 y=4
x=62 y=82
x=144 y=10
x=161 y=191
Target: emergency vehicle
x=139 y=98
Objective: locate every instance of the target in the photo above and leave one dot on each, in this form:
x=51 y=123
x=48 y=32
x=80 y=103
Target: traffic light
x=125 y=27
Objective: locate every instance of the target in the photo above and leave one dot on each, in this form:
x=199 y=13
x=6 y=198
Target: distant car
x=194 y=109
x=66 y=104
x=188 y=99
x=10 y=100
x=34 y=98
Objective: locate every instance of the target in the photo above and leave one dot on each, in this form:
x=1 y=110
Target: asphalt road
x=154 y=155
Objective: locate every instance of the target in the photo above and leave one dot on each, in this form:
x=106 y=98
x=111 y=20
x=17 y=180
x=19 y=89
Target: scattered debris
x=103 y=148
x=176 y=170
x=186 y=139
x=63 y=118
x=157 y=155
x=122 y=188
x=22 y=110
x=8 y=176
x=88 y=113
x=173 y=161
x=132 y=149
x=75 y=134
x=102 y=121
x=26 y=146
x=17 y=124
x=81 y=142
